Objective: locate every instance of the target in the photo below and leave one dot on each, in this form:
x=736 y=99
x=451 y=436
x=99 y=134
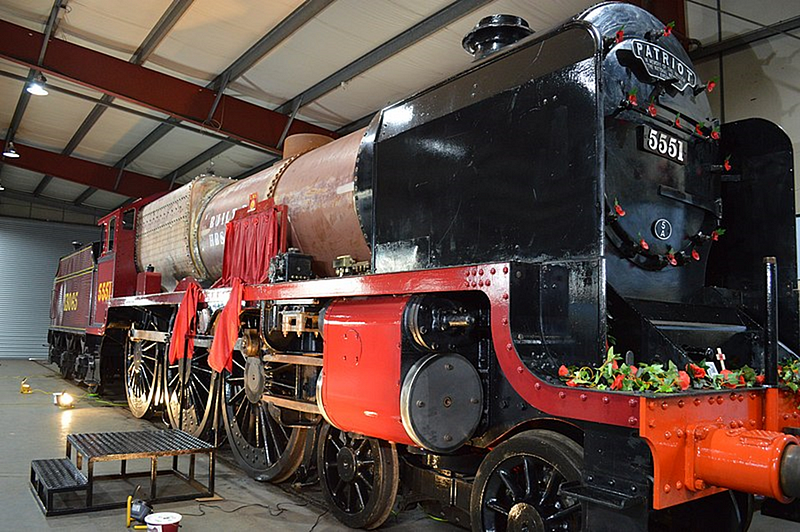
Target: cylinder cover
x=441 y=402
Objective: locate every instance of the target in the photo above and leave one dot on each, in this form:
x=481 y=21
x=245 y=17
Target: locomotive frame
x=428 y=373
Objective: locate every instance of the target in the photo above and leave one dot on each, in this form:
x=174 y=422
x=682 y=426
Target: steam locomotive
x=411 y=291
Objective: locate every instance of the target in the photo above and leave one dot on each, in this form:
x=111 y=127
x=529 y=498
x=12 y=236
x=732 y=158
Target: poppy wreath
x=614 y=374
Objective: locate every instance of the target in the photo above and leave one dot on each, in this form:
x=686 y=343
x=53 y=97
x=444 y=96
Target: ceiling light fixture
x=10 y=152
x=36 y=86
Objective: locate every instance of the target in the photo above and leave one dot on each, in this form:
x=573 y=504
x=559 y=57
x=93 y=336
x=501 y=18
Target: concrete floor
x=31 y=427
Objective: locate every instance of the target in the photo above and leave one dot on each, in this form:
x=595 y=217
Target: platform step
x=55 y=475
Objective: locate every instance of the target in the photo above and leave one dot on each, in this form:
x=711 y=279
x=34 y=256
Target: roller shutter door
x=29 y=253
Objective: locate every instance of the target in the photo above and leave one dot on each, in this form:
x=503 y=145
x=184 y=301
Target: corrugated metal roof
x=210 y=35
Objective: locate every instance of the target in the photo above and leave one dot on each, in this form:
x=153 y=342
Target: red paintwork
x=754 y=456
x=615 y=408
x=104 y=285
x=148 y=283
x=71 y=301
x=493 y=280
x=679 y=428
x=116 y=269
x=667 y=423
x=144 y=86
x=361 y=373
x=86 y=173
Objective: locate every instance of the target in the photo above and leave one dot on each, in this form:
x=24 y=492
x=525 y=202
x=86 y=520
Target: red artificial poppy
x=632 y=96
x=699 y=129
x=712 y=84
x=683 y=379
x=618 y=208
x=572 y=383
x=634 y=370
x=620 y=35
x=697 y=371
x=727 y=164
x=760 y=380
x=678 y=120
x=695 y=254
x=671 y=259
x=716 y=233
x=614 y=364
x=643 y=244
x=715 y=134
x=727 y=381
x=617 y=385
x=652 y=109
x=563 y=371
x=668 y=28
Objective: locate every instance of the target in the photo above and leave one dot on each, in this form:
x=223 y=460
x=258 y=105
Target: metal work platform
x=61 y=475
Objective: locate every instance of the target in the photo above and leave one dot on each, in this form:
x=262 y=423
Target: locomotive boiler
x=423 y=309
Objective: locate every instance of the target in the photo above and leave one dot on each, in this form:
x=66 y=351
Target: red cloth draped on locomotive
x=414 y=291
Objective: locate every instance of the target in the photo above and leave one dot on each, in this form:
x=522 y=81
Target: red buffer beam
x=140 y=85
x=87 y=173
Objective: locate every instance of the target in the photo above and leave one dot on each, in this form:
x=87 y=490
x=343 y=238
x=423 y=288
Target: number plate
x=663 y=145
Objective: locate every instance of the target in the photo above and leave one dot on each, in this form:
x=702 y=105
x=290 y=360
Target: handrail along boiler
x=438 y=267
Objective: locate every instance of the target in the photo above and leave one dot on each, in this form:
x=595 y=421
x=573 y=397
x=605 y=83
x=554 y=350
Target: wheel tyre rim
x=141 y=376
x=529 y=484
x=267 y=450
x=359 y=477
x=195 y=383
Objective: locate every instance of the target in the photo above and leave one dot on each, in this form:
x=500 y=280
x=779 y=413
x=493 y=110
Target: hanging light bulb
x=36 y=86
x=10 y=152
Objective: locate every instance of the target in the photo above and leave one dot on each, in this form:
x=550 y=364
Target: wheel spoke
x=368 y=484
x=267 y=434
x=360 y=495
x=241 y=406
x=339 y=484
x=336 y=445
x=509 y=484
x=551 y=487
x=563 y=514
x=198 y=382
x=493 y=505
x=527 y=471
x=235 y=397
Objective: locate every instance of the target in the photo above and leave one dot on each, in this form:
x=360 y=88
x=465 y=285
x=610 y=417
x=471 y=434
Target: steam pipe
x=771 y=322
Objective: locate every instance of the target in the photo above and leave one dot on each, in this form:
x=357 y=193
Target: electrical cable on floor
x=279 y=508
x=90 y=396
x=319 y=517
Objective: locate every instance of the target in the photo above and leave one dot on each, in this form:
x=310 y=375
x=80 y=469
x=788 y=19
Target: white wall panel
x=29 y=253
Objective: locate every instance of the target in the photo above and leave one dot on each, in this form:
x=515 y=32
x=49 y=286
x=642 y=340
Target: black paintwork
x=458 y=175
x=759 y=218
x=524 y=158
